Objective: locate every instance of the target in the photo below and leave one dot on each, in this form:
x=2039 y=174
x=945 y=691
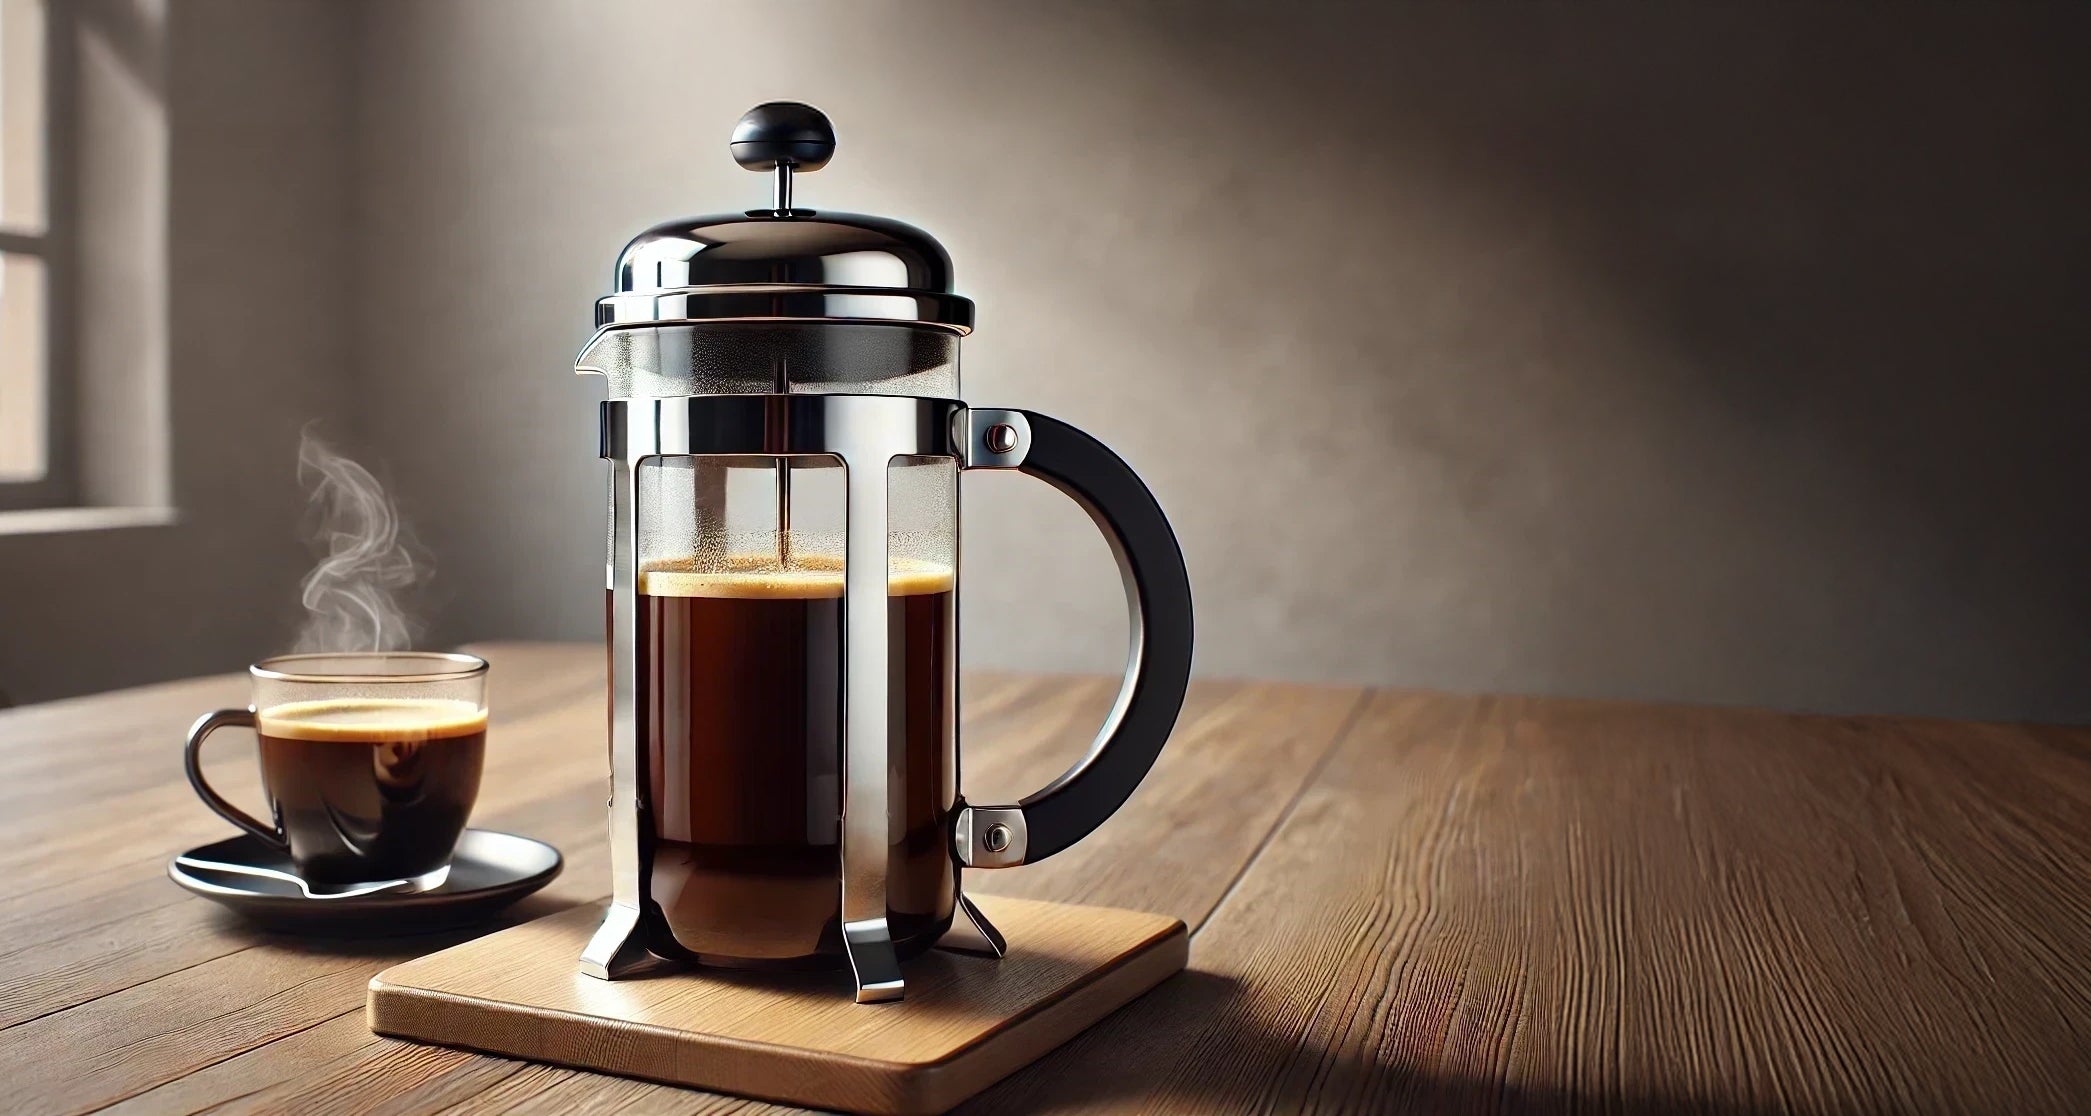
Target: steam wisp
x=351 y=597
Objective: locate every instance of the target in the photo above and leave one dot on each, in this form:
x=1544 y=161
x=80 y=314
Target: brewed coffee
x=741 y=671
x=371 y=788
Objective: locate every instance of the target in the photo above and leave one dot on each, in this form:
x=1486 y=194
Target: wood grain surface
x=967 y=1021
x=1399 y=902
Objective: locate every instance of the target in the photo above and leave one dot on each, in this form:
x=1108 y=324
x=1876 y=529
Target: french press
x=784 y=432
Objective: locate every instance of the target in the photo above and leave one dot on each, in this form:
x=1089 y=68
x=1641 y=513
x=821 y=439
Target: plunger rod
x=782 y=383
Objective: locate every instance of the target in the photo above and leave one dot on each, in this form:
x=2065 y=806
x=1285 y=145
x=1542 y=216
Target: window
x=26 y=425
x=83 y=145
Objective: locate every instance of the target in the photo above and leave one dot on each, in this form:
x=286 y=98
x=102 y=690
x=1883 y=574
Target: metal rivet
x=997 y=836
x=1001 y=438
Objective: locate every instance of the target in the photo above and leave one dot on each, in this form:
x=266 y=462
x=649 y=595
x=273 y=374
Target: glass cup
x=370 y=762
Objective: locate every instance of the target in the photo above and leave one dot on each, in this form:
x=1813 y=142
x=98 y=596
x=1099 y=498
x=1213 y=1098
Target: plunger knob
x=783 y=134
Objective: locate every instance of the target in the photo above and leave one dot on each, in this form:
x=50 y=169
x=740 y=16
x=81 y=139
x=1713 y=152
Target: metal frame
x=784 y=302
x=866 y=432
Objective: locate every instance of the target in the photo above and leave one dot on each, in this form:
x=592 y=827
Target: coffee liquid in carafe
x=741 y=671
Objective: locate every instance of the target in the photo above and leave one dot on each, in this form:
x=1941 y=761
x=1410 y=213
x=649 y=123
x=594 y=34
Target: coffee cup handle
x=1158 y=667
x=192 y=762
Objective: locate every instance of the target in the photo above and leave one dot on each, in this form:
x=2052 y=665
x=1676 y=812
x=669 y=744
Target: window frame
x=53 y=244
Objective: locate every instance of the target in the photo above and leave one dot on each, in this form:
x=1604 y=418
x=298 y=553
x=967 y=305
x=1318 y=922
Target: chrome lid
x=784 y=263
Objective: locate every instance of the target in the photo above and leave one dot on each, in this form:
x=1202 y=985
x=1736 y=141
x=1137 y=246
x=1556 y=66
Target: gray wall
x=1666 y=353
x=257 y=101
x=1727 y=357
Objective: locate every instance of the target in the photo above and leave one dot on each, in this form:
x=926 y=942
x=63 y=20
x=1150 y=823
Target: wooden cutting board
x=966 y=1023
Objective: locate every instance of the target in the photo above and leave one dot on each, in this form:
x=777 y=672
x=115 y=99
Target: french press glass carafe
x=785 y=435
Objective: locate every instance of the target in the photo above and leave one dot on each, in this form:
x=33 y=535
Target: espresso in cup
x=371 y=788
x=370 y=762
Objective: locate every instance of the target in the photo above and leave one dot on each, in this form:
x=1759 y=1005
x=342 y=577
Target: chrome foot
x=616 y=949
x=872 y=961
x=971 y=932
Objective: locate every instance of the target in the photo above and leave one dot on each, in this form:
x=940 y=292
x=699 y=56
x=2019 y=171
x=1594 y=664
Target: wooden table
x=1401 y=901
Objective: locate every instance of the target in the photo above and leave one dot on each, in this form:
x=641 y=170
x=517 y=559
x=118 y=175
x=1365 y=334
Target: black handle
x=192 y=762
x=1158 y=671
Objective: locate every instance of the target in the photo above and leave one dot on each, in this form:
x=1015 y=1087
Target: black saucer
x=488 y=872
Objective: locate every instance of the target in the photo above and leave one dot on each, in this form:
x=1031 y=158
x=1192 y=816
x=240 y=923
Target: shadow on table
x=1193 y=1044
x=386 y=947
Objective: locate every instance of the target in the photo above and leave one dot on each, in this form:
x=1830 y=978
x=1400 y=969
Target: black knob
x=783 y=133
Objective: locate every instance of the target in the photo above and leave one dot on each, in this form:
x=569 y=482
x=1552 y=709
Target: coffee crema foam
x=761 y=576
x=372 y=720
